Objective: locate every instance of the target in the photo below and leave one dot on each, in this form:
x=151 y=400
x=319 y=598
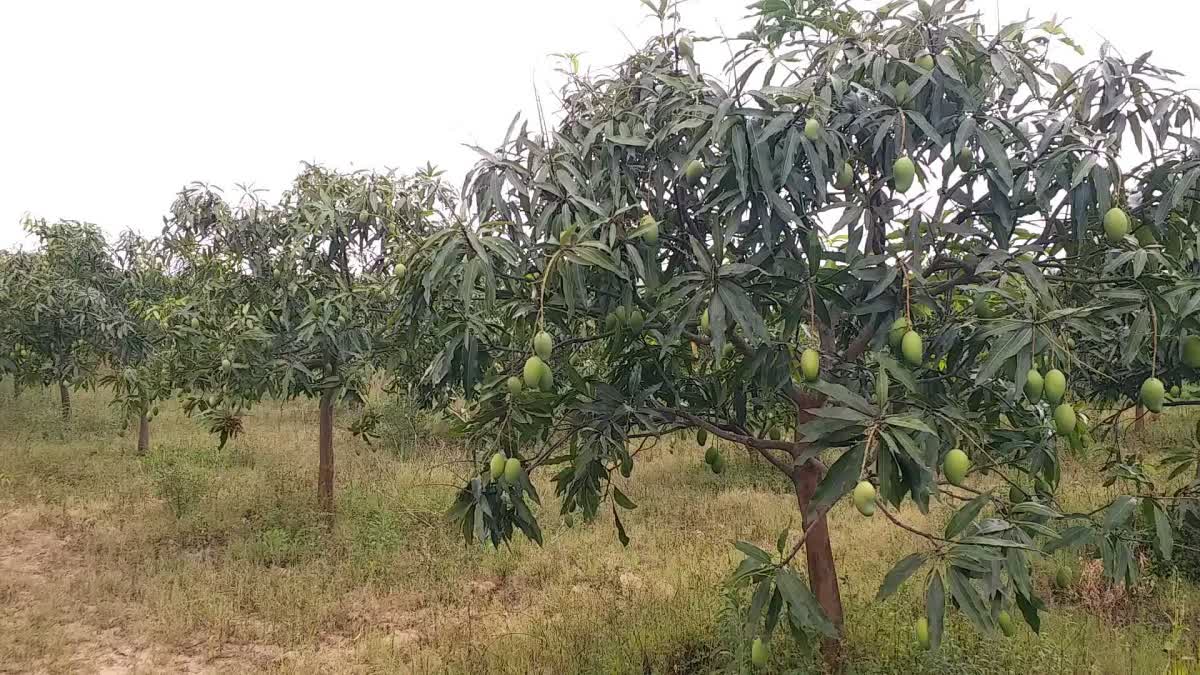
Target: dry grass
x=195 y=559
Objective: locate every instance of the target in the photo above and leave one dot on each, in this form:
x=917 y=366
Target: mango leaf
x=900 y=573
x=935 y=609
x=840 y=479
x=965 y=515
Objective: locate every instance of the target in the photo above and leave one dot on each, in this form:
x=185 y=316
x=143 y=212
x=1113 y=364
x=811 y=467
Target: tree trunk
x=822 y=572
x=143 y=434
x=1139 y=418
x=325 y=469
x=64 y=395
x=16 y=388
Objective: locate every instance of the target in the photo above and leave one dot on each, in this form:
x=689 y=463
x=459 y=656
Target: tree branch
x=762 y=445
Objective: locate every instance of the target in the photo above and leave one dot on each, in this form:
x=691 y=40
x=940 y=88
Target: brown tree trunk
x=143 y=434
x=822 y=571
x=325 y=469
x=64 y=395
x=1139 y=418
x=16 y=388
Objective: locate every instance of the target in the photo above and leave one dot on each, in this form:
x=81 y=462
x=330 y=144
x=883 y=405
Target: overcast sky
x=108 y=108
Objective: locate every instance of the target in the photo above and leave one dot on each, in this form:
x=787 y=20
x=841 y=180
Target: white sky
x=108 y=108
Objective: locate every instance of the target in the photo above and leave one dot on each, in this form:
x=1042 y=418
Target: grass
x=195 y=558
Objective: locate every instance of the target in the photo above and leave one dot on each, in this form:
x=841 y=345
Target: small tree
x=911 y=245
x=287 y=300
x=54 y=300
x=139 y=342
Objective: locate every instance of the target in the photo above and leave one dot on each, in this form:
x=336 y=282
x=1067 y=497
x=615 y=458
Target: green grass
x=194 y=556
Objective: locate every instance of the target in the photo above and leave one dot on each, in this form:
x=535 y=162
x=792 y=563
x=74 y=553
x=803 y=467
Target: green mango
x=1034 y=384
x=864 y=498
x=497 y=465
x=912 y=349
x=1055 y=386
x=844 y=177
x=896 y=332
x=921 y=630
x=903 y=172
x=1116 y=225
x=1191 y=351
x=758 y=653
x=812 y=129
x=1064 y=419
x=955 y=466
x=533 y=370
x=514 y=385
x=810 y=365
x=1152 y=394
x=543 y=344
x=512 y=470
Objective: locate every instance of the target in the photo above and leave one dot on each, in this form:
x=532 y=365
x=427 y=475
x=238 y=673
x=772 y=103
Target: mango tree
x=284 y=300
x=139 y=342
x=910 y=241
x=55 y=299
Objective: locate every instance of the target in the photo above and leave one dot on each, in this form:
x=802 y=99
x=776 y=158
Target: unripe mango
x=701 y=437
x=965 y=160
x=650 y=235
x=636 y=321
x=810 y=365
x=711 y=455
x=704 y=321
x=1191 y=351
x=1055 y=386
x=921 y=629
x=758 y=653
x=694 y=171
x=955 y=466
x=1006 y=624
x=844 y=177
x=812 y=129
x=532 y=372
x=512 y=470
x=896 y=332
x=1152 y=394
x=1034 y=384
x=775 y=433
x=546 y=381
x=925 y=62
x=1062 y=578
x=864 y=498
x=911 y=348
x=1064 y=419
x=543 y=344
x=514 y=385
x=718 y=465
x=1116 y=225
x=903 y=172
x=497 y=465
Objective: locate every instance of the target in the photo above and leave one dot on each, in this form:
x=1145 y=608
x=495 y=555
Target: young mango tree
x=285 y=300
x=910 y=246
x=55 y=300
x=139 y=342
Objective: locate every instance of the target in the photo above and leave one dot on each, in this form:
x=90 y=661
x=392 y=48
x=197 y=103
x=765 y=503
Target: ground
x=199 y=559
